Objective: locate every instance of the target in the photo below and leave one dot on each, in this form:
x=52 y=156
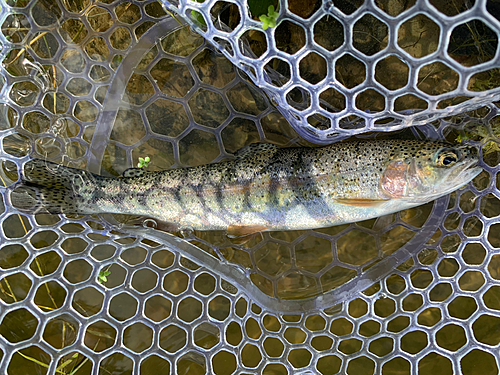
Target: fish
x=264 y=188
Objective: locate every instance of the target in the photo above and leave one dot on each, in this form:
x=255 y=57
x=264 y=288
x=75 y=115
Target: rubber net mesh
x=96 y=85
x=337 y=68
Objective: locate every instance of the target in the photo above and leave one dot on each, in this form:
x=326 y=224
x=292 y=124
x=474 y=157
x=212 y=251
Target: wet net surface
x=96 y=86
x=337 y=68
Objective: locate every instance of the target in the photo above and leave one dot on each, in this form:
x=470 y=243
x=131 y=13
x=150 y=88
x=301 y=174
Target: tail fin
x=51 y=188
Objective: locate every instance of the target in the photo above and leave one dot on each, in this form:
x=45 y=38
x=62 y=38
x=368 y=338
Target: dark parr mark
x=305 y=187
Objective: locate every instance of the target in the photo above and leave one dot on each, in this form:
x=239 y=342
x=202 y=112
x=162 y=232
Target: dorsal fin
x=253 y=149
x=133 y=172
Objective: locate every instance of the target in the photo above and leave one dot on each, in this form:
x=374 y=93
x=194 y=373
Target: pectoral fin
x=360 y=202
x=244 y=230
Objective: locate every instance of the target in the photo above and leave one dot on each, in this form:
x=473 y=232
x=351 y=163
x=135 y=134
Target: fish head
x=423 y=172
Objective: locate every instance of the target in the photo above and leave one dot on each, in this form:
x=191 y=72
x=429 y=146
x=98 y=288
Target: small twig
x=78 y=33
x=66 y=363
x=99 y=334
x=364 y=32
x=75 y=370
x=46 y=284
x=33 y=360
x=414 y=44
x=97 y=14
x=16 y=29
x=11 y=294
x=21 y=51
x=80 y=306
x=432 y=71
x=174 y=17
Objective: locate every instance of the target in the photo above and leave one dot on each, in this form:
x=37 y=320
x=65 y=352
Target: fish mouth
x=461 y=174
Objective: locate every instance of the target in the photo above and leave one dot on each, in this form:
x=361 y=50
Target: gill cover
x=394 y=179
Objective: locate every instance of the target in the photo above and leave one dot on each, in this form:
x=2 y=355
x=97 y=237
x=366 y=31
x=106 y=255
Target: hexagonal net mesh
x=336 y=68
x=98 y=85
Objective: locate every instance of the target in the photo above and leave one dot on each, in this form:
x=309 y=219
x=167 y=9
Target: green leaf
x=196 y=16
x=143 y=162
x=265 y=24
x=103 y=276
x=258 y=7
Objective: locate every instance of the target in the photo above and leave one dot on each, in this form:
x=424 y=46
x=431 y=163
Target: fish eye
x=449 y=160
x=446 y=158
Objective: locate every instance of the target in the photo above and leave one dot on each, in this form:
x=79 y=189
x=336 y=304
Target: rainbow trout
x=264 y=188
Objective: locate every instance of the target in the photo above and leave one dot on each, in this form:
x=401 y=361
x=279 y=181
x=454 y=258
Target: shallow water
x=290 y=265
